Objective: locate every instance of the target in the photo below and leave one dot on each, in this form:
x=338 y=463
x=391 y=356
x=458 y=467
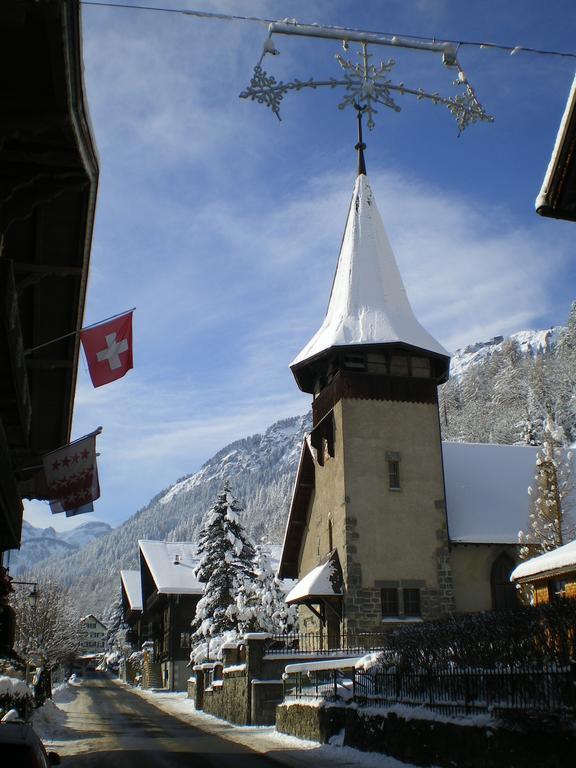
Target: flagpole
x=74 y=333
x=96 y=432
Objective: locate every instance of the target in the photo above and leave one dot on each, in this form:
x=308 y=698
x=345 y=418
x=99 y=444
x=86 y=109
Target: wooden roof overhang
x=551 y=573
x=557 y=198
x=48 y=185
x=129 y=614
x=297 y=517
x=307 y=371
x=320 y=602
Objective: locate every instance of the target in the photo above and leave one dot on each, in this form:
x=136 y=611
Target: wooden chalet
x=131 y=591
x=170 y=594
x=552 y=576
x=48 y=183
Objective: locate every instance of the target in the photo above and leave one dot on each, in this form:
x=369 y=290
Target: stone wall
x=527 y=742
x=228 y=699
x=311 y=722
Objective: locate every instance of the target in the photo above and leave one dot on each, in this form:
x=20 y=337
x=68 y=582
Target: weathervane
x=363 y=82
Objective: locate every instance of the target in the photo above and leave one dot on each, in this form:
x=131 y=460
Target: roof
x=487 y=498
x=549 y=564
x=132 y=584
x=368 y=303
x=325 y=580
x=487 y=491
x=171 y=578
x=557 y=197
x=94 y=618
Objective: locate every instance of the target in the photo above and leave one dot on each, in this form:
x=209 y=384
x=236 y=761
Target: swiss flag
x=108 y=349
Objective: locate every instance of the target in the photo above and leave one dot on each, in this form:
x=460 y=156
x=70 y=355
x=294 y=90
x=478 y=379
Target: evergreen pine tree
x=260 y=604
x=551 y=522
x=226 y=559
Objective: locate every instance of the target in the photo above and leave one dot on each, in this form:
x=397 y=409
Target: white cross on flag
x=108 y=349
x=72 y=474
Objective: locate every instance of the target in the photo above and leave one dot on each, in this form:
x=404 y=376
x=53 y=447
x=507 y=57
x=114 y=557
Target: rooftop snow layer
x=317 y=583
x=487 y=491
x=133 y=587
x=172 y=565
x=368 y=303
x=560 y=559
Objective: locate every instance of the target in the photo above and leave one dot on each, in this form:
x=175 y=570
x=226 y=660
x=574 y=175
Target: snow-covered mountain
x=530 y=343
x=42 y=543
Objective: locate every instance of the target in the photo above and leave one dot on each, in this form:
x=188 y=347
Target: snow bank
x=14 y=687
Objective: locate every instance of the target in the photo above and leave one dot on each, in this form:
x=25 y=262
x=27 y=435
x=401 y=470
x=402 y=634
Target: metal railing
x=448 y=691
x=320 y=644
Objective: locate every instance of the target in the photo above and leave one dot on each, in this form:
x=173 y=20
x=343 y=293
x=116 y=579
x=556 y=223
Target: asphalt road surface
x=107 y=725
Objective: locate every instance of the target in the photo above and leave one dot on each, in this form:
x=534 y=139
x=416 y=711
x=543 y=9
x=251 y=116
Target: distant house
x=93 y=635
x=170 y=594
x=552 y=575
x=131 y=586
x=557 y=197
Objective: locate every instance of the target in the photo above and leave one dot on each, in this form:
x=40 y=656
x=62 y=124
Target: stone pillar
x=256 y=643
x=199 y=687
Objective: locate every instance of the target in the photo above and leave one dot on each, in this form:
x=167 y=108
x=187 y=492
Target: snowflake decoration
x=367 y=84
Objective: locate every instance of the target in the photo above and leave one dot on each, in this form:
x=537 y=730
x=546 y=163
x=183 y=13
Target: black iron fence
x=324 y=645
x=448 y=691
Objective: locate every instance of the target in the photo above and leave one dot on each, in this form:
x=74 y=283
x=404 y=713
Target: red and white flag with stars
x=72 y=474
x=108 y=349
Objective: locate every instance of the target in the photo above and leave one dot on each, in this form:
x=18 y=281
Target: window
x=411 y=602
x=420 y=367
x=399 y=365
x=389 y=597
x=185 y=639
x=400 y=603
x=393 y=474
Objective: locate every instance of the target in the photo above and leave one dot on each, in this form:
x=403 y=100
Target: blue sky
x=222 y=225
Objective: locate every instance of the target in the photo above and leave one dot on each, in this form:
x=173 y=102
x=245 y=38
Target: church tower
x=368 y=514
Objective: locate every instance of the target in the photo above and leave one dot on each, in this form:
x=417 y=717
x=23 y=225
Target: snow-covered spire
x=368 y=303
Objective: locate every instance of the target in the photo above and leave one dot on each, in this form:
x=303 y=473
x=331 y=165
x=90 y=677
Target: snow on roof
x=318 y=583
x=172 y=565
x=133 y=588
x=543 y=200
x=561 y=559
x=368 y=303
x=487 y=491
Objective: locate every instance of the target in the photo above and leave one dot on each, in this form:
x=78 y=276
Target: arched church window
x=504 y=596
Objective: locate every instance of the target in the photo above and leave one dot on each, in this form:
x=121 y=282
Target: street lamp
x=33 y=597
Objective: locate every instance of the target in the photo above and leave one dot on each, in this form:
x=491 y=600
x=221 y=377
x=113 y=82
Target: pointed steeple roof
x=368 y=303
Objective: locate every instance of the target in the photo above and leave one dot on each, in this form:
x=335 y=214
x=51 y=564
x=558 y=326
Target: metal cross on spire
x=363 y=82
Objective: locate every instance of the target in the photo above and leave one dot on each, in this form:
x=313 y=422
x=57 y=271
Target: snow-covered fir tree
x=551 y=522
x=260 y=604
x=226 y=559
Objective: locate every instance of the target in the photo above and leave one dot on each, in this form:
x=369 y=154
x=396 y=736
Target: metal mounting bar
x=329 y=33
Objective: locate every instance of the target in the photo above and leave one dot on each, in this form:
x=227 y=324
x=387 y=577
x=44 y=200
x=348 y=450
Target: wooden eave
x=307 y=370
x=552 y=573
x=297 y=517
x=49 y=178
x=557 y=198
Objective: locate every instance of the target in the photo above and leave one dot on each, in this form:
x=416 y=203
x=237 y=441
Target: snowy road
x=108 y=725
